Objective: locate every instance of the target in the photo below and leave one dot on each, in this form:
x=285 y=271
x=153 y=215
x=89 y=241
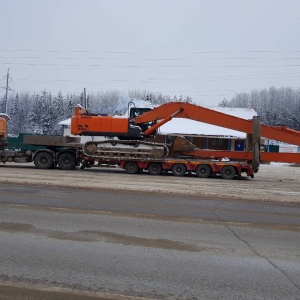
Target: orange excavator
x=144 y=122
x=3 y=130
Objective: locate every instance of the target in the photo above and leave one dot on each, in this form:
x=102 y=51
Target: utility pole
x=6 y=89
x=6 y=94
x=85 y=99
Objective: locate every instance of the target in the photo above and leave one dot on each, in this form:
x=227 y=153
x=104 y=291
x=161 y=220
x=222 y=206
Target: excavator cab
x=136 y=112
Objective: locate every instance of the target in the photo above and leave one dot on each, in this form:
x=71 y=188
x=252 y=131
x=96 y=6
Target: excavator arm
x=166 y=112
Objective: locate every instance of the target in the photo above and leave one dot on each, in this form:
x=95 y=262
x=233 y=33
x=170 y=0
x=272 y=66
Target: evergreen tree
x=3 y=105
x=41 y=113
x=14 y=114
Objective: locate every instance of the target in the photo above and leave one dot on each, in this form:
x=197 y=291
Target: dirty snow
x=274 y=182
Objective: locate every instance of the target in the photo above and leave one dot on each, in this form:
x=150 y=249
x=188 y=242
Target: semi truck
x=128 y=149
x=45 y=151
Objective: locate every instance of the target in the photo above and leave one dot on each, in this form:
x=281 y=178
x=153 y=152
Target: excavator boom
x=206 y=115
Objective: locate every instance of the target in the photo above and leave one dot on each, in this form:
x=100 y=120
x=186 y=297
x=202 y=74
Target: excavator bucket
x=181 y=144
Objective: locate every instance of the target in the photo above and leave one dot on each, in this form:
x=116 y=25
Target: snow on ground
x=274 y=182
x=278 y=164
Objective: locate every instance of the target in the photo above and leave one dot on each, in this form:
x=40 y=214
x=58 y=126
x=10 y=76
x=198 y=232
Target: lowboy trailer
x=134 y=154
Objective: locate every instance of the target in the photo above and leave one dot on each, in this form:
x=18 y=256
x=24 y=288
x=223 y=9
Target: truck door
x=239 y=145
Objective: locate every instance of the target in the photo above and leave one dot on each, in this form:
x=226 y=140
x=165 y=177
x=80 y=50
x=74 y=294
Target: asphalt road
x=60 y=243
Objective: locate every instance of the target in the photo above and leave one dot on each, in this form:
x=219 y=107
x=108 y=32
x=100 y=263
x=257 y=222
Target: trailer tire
x=178 y=169
x=131 y=167
x=228 y=172
x=67 y=161
x=203 y=171
x=155 y=168
x=44 y=160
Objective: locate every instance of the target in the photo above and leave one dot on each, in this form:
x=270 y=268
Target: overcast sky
x=208 y=50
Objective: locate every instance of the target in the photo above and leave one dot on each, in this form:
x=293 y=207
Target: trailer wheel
x=43 y=160
x=178 y=169
x=155 y=168
x=203 y=171
x=131 y=167
x=66 y=161
x=228 y=172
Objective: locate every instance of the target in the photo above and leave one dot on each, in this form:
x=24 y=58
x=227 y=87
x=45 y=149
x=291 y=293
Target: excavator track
x=121 y=150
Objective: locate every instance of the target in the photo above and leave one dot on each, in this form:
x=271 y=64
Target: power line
x=169 y=80
x=233 y=62
x=150 y=59
x=148 y=52
x=152 y=66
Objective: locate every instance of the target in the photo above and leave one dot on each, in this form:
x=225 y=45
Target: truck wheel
x=155 y=168
x=67 y=161
x=203 y=171
x=131 y=167
x=178 y=169
x=228 y=172
x=43 y=160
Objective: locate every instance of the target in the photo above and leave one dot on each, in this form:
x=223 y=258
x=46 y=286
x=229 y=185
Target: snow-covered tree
x=274 y=106
x=41 y=112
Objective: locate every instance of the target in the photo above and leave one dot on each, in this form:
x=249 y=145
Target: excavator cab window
x=136 y=112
